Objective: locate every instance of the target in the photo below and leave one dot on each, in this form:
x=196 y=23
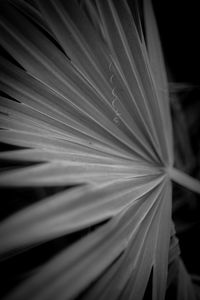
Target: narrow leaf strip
x=162 y=245
x=159 y=73
x=44 y=155
x=184 y=180
x=63 y=173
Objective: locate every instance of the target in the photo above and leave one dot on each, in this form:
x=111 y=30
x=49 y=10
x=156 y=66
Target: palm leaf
x=89 y=104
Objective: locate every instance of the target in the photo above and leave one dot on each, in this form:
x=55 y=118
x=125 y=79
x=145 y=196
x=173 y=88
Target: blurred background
x=179 y=26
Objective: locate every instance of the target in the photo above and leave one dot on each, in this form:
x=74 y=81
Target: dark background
x=179 y=26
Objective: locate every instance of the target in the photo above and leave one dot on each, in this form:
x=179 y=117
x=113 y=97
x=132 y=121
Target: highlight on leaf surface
x=85 y=104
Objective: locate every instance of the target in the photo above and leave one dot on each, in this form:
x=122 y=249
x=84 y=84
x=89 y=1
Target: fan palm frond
x=89 y=104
